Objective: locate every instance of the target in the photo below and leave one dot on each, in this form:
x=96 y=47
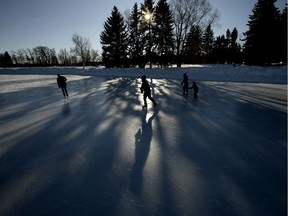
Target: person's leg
x=150 y=98
x=153 y=101
x=63 y=91
x=145 y=99
x=65 y=88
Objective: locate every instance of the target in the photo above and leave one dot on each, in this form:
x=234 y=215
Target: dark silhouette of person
x=185 y=84
x=61 y=81
x=195 y=88
x=145 y=88
x=143 y=139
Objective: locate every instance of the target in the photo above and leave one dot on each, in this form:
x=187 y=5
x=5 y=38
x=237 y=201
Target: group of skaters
x=186 y=87
x=145 y=88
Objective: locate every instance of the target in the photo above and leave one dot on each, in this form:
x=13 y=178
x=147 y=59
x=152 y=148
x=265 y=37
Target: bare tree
x=44 y=56
x=95 y=56
x=82 y=48
x=18 y=57
x=14 y=57
x=31 y=56
x=22 y=56
x=63 y=56
x=189 y=13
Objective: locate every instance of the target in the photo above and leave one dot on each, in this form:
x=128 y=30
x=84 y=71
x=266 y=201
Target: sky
x=30 y=23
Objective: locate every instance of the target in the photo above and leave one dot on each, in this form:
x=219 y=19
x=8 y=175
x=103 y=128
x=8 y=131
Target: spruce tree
x=283 y=36
x=220 y=50
x=193 y=46
x=228 y=43
x=114 y=39
x=6 y=60
x=163 y=31
x=147 y=23
x=261 y=42
x=208 y=41
x=234 y=47
x=135 y=44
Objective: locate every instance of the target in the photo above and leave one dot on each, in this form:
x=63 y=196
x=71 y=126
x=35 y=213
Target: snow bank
x=221 y=73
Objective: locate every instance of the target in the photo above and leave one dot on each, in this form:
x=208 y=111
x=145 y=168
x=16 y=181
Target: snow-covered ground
x=99 y=153
x=225 y=73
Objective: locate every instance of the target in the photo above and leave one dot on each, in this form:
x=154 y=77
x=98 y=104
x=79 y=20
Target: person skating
x=195 y=88
x=145 y=89
x=61 y=81
x=185 y=84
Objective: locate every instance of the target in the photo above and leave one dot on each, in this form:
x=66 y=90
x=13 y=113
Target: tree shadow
x=66 y=159
x=238 y=142
x=223 y=156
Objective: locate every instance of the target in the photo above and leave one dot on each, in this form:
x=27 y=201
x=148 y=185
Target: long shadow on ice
x=143 y=139
x=225 y=155
x=238 y=149
x=66 y=166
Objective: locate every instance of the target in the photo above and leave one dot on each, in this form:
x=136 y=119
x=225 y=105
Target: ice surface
x=99 y=153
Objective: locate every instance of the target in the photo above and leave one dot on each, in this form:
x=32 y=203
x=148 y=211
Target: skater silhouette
x=143 y=139
x=196 y=89
x=61 y=81
x=185 y=84
x=145 y=88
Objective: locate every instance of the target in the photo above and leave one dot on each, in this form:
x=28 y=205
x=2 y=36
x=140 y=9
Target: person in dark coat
x=145 y=88
x=195 y=88
x=185 y=84
x=61 y=81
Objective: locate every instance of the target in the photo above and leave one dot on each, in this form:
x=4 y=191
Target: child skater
x=147 y=91
x=195 y=88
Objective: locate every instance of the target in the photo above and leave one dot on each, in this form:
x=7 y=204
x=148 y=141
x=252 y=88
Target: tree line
x=178 y=32
x=80 y=54
x=182 y=32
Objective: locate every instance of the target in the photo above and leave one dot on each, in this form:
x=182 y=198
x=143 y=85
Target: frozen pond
x=98 y=153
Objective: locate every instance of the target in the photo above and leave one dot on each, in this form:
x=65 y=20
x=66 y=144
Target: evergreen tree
x=147 y=6
x=147 y=23
x=208 y=42
x=193 y=48
x=228 y=43
x=164 y=32
x=7 y=60
x=220 y=50
x=234 y=47
x=226 y=49
x=283 y=36
x=228 y=38
x=1 y=59
x=114 y=40
x=261 y=42
x=135 y=45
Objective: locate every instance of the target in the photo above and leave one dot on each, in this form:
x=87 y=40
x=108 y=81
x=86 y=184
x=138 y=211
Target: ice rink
x=98 y=153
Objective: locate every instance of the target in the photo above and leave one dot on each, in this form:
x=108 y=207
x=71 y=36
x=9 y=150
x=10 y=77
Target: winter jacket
x=61 y=80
